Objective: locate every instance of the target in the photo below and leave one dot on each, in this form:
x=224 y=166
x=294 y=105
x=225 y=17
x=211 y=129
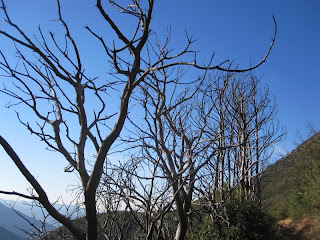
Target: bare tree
x=139 y=186
x=175 y=137
x=244 y=132
x=255 y=130
x=247 y=130
x=73 y=111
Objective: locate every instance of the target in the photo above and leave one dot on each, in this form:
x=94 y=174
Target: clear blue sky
x=238 y=30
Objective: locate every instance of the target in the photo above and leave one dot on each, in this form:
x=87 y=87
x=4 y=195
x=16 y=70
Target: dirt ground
x=305 y=229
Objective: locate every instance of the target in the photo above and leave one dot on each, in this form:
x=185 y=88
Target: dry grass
x=306 y=229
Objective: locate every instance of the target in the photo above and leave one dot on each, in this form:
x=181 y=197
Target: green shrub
x=247 y=221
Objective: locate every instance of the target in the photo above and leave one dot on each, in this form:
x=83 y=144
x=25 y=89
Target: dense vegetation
x=245 y=220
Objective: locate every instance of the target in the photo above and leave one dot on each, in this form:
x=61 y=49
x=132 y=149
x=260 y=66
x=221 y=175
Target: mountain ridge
x=8 y=235
x=14 y=220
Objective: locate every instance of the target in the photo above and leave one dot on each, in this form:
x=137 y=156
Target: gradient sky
x=237 y=30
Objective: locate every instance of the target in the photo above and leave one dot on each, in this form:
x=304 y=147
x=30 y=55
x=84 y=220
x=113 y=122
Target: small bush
x=247 y=221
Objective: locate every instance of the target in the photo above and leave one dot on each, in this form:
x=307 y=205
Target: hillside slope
x=291 y=186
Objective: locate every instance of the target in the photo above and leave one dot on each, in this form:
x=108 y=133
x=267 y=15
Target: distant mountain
x=15 y=221
x=7 y=235
x=27 y=208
